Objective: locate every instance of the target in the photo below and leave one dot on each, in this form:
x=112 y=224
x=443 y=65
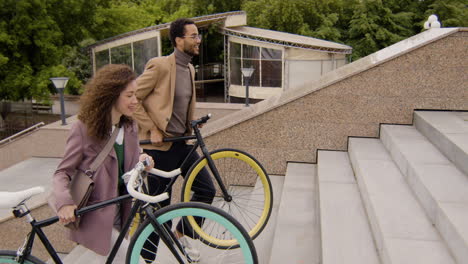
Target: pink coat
x=95 y=227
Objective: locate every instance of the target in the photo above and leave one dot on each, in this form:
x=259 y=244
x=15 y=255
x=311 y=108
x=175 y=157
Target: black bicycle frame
x=199 y=143
x=37 y=226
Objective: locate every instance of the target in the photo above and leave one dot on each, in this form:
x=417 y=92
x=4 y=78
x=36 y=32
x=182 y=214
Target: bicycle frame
x=25 y=250
x=199 y=143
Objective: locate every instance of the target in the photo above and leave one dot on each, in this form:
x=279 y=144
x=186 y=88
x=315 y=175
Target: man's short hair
x=177 y=29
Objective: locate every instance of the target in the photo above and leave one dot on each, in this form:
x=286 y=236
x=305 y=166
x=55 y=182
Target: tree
x=207 y=7
x=121 y=17
x=30 y=41
x=451 y=13
x=374 y=26
x=281 y=15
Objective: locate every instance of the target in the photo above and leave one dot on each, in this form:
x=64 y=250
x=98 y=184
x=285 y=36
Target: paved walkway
x=26 y=174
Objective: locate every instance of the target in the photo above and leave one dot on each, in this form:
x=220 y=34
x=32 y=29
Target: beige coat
x=155 y=93
x=95 y=227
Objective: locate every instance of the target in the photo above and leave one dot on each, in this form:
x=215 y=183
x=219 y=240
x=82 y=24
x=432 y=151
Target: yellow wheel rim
x=267 y=196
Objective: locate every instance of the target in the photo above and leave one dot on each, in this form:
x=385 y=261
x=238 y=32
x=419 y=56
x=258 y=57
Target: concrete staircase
x=402 y=198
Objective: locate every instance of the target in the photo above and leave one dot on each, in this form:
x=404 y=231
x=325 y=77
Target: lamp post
x=60 y=83
x=247 y=73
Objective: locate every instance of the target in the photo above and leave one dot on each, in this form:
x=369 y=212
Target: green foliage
x=77 y=62
x=42 y=86
x=280 y=15
x=374 y=26
x=451 y=13
x=40 y=39
x=30 y=41
x=121 y=17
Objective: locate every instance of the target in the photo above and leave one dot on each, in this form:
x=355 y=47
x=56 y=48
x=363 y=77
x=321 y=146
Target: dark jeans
x=172 y=159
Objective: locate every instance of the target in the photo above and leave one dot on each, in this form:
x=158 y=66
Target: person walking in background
x=166 y=95
x=107 y=104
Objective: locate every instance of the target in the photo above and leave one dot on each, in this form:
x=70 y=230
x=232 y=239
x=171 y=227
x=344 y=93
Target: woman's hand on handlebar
x=149 y=159
x=66 y=214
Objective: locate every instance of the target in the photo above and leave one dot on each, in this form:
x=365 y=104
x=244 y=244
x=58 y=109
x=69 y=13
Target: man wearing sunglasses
x=166 y=95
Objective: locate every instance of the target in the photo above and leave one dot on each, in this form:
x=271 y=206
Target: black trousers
x=172 y=159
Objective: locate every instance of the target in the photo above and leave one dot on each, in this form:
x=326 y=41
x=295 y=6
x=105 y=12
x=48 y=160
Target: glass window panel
x=235 y=50
x=143 y=51
x=271 y=54
x=271 y=73
x=255 y=79
x=236 y=74
x=122 y=55
x=340 y=63
x=102 y=58
x=327 y=66
x=250 y=52
x=301 y=72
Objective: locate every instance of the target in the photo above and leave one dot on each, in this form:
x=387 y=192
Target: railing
x=25 y=131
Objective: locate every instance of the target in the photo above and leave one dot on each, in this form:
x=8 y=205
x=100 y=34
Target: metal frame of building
x=234 y=33
x=208 y=18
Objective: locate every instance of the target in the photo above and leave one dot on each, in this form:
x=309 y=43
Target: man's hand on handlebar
x=156 y=138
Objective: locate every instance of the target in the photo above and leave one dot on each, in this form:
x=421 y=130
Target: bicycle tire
x=246 y=252
x=239 y=172
x=8 y=256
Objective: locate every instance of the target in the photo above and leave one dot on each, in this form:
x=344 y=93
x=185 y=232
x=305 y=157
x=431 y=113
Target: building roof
x=237 y=29
x=199 y=21
x=287 y=39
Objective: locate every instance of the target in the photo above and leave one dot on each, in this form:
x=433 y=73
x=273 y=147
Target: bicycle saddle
x=12 y=199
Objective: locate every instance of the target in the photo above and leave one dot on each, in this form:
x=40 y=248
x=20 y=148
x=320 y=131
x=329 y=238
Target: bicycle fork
x=166 y=235
x=211 y=165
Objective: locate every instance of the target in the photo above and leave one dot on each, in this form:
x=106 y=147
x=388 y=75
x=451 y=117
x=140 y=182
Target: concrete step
x=440 y=186
x=402 y=231
x=263 y=243
x=345 y=230
x=448 y=131
x=296 y=233
x=61 y=256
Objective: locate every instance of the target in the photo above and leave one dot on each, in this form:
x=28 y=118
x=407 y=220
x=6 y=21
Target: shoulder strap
x=107 y=148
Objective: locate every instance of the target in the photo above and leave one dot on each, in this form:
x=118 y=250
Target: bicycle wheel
x=248 y=185
x=216 y=219
x=8 y=256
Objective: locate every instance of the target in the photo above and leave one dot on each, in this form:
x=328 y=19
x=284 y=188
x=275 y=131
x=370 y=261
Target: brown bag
x=82 y=184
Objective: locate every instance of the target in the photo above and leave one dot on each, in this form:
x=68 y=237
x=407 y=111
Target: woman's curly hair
x=100 y=95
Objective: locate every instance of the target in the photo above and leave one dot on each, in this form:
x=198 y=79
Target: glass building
x=280 y=60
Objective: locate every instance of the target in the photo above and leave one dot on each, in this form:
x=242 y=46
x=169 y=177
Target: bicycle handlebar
x=193 y=123
x=201 y=120
x=132 y=182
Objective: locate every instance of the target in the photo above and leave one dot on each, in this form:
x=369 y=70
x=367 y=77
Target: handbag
x=82 y=184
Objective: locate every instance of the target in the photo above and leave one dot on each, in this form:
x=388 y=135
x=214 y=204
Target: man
x=166 y=95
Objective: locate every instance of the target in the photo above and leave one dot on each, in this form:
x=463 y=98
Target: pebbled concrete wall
x=427 y=71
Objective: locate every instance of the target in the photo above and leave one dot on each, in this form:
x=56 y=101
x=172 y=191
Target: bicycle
x=159 y=221
x=235 y=172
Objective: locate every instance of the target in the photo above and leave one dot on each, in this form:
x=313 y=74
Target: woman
x=107 y=104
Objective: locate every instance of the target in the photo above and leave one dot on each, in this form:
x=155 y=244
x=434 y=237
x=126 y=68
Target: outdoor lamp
x=60 y=83
x=247 y=73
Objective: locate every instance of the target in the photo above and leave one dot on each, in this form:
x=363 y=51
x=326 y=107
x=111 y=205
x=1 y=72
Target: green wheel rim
x=191 y=212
